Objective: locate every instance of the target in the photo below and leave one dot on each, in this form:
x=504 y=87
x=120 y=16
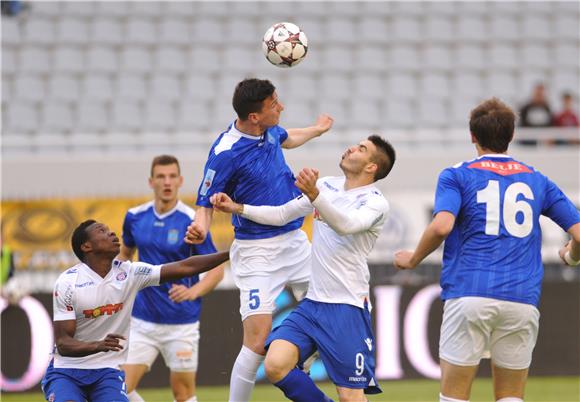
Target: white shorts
x=178 y=343
x=476 y=328
x=262 y=268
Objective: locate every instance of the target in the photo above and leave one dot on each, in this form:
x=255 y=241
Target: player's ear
x=150 y=182
x=253 y=118
x=473 y=139
x=86 y=247
x=180 y=181
x=371 y=168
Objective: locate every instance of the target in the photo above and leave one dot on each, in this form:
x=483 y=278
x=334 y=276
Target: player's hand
x=323 y=123
x=112 y=342
x=403 y=259
x=564 y=250
x=306 y=182
x=195 y=234
x=181 y=293
x=222 y=202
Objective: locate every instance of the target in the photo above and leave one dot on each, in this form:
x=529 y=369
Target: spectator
x=12 y=8
x=536 y=113
x=567 y=117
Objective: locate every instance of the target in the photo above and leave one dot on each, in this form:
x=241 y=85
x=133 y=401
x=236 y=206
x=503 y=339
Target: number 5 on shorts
x=254 y=299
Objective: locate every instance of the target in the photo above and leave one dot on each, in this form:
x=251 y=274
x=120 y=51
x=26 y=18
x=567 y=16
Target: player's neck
x=485 y=151
x=162 y=207
x=100 y=265
x=352 y=182
x=247 y=127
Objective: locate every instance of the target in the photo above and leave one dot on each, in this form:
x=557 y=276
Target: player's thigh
x=344 y=338
x=351 y=395
x=133 y=375
x=258 y=293
x=143 y=347
x=180 y=346
x=514 y=336
x=456 y=381
x=110 y=387
x=508 y=383
x=63 y=389
x=466 y=330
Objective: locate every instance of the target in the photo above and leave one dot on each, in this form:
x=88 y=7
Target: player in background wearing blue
x=92 y=303
x=334 y=317
x=165 y=318
x=487 y=211
x=246 y=162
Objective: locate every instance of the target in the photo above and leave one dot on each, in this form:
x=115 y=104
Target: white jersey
x=346 y=227
x=100 y=306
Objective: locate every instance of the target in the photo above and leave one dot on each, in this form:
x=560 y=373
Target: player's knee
x=275 y=369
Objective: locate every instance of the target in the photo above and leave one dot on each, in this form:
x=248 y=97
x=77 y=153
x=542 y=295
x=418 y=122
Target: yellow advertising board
x=39 y=231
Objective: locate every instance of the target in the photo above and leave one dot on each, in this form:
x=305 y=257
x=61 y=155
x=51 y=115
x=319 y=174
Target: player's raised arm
x=192 y=265
x=67 y=345
x=199 y=228
x=298 y=136
x=265 y=214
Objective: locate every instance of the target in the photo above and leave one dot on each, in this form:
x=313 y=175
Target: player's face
x=358 y=157
x=102 y=239
x=165 y=182
x=270 y=114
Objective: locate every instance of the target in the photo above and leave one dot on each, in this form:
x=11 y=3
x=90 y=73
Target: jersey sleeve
x=143 y=274
x=63 y=301
x=217 y=173
x=128 y=239
x=448 y=193
x=282 y=134
x=362 y=219
x=559 y=208
x=279 y=215
x=207 y=247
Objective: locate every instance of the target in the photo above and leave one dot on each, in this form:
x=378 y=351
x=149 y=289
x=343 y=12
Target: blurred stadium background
x=91 y=91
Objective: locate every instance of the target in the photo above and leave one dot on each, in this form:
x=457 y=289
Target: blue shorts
x=80 y=385
x=342 y=334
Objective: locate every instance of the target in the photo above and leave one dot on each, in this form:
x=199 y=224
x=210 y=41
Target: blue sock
x=298 y=387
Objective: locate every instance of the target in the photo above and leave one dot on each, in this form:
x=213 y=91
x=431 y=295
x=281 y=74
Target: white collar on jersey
x=166 y=214
x=493 y=156
x=235 y=131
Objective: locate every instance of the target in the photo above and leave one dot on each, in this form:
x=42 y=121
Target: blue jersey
x=251 y=170
x=494 y=249
x=159 y=240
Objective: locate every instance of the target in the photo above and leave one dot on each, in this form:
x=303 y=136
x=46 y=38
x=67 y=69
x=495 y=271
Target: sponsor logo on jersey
x=116 y=263
x=143 y=271
x=173 y=236
x=82 y=285
x=330 y=187
x=357 y=379
x=158 y=224
x=108 y=309
x=71 y=271
x=207 y=181
x=501 y=168
x=121 y=276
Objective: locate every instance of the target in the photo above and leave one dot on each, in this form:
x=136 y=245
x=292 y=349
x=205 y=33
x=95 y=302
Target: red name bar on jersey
x=502 y=168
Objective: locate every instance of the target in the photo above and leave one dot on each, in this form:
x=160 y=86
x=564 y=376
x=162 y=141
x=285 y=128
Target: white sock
x=135 y=397
x=192 y=399
x=244 y=375
x=510 y=399
x=443 y=398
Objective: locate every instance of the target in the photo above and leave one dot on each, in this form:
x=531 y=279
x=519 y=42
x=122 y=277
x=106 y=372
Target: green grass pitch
x=539 y=389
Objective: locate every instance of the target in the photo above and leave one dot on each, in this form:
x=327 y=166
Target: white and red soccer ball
x=284 y=44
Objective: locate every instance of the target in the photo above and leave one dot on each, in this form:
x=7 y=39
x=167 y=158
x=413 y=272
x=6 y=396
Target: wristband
x=569 y=260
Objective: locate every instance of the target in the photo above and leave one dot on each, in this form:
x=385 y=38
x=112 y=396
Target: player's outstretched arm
x=66 y=345
x=192 y=266
x=570 y=253
x=432 y=237
x=299 y=136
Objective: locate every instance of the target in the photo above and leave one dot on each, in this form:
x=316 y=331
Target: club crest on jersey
x=501 y=168
x=207 y=181
x=121 y=276
x=173 y=236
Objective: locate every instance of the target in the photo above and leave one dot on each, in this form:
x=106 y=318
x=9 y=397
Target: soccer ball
x=284 y=44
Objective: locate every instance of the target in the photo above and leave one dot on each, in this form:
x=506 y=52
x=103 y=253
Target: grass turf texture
x=539 y=389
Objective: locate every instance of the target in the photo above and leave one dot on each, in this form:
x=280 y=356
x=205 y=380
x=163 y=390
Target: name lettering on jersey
x=143 y=271
x=501 y=168
x=121 y=276
x=173 y=236
x=330 y=187
x=82 y=285
x=207 y=181
x=108 y=309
